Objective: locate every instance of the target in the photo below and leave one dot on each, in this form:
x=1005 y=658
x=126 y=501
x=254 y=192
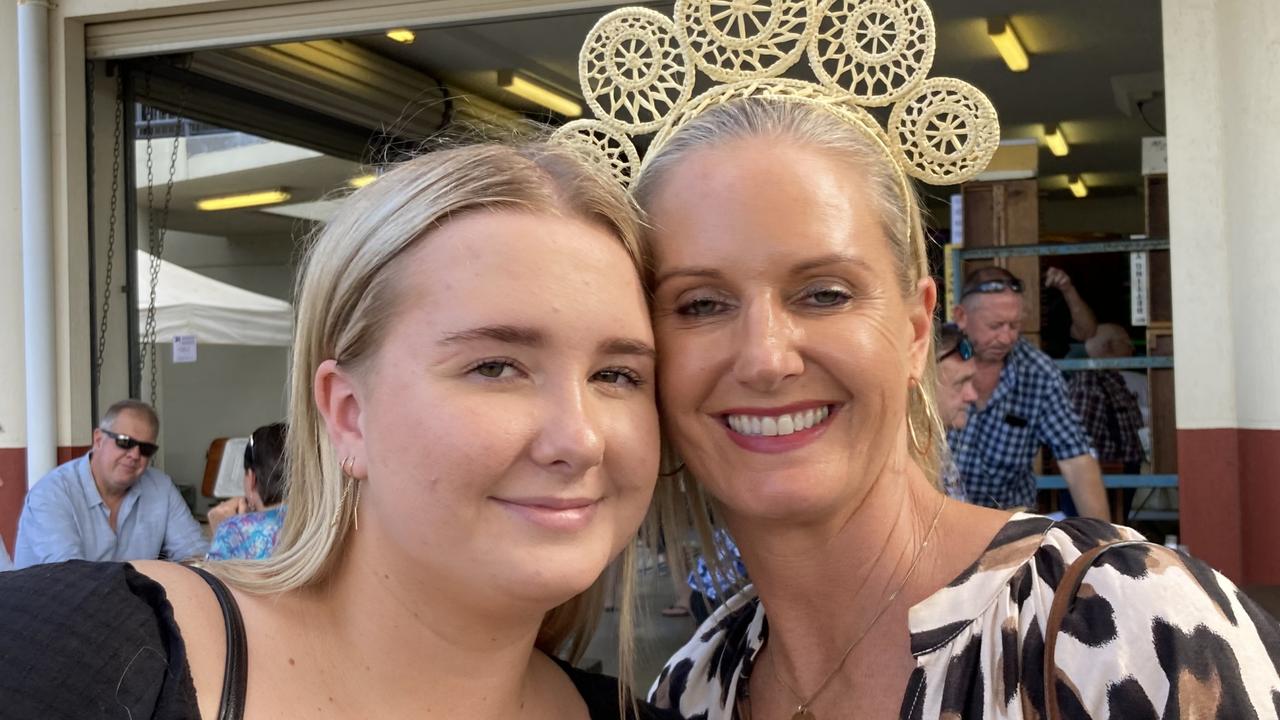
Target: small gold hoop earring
x=915 y=398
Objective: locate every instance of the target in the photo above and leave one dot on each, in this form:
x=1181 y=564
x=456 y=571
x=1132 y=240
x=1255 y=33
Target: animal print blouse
x=1152 y=634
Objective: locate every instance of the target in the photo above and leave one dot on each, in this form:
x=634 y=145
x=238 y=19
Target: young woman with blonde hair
x=472 y=439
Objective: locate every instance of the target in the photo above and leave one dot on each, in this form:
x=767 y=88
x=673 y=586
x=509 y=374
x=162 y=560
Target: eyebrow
x=797 y=269
x=511 y=334
x=696 y=272
x=532 y=337
x=825 y=260
x=627 y=346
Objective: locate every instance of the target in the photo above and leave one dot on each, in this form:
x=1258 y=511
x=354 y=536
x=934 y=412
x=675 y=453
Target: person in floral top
x=246 y=528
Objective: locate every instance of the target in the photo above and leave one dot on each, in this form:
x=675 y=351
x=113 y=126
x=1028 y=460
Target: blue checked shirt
x=997 y=446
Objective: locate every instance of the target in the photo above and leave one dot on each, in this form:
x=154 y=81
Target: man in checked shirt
x=1022 y=404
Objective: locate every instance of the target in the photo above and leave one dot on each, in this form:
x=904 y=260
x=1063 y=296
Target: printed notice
x=184 y=349
x=1140 y=289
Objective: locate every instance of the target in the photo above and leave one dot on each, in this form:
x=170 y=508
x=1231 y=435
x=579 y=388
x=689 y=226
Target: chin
x=549 y=576
x=780 y=496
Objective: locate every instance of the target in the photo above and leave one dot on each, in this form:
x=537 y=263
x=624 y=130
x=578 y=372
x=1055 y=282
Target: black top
x=83 y=641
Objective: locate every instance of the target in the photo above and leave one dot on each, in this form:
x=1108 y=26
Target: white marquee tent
x=188 y=303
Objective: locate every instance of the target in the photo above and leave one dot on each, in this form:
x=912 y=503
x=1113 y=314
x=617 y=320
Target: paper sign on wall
x=184 y=349
x=1140 y=289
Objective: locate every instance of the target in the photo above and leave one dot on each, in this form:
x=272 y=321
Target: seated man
x=109 y=505
x=1108 y=410
x=955 y=396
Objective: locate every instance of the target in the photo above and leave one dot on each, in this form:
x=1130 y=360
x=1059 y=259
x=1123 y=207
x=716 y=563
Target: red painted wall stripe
x=1229 y=494
x=13 y=470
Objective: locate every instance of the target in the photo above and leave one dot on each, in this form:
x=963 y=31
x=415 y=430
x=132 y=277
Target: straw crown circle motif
x=637 y=69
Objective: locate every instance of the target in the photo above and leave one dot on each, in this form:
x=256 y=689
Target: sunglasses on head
x=126 y=443
x=992 y=286
x=961 y=348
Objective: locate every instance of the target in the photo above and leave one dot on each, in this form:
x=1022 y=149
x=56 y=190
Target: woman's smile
x=778 y=429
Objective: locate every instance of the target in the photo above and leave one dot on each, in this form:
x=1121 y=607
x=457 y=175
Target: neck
x=109 y=496
x=824 y=585
x=383 y=617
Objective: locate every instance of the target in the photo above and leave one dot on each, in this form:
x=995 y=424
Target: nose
x=969 y=394
x=766 y=352
x=570 y=439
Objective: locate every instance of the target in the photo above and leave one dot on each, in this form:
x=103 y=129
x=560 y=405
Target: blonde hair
x=898 y=205
x=348 y=291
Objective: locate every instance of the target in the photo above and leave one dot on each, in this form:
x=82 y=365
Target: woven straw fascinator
x=638 y=68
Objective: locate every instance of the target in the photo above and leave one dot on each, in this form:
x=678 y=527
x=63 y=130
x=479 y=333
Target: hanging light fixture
x=1000 y=30
x=402 y=35
x=243 y=200
x=1076 y=185
x=1054 y=140
x=536 y=92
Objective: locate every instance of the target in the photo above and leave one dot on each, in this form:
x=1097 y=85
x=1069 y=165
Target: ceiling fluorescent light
x=1054 y=140
x=1076 y=185
x=534 y=92
x=243 y=200
x=402 y=35
x=1000 y=30
x=361 y=180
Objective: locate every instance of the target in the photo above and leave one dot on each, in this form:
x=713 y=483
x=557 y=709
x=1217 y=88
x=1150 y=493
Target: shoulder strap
x=235 y=675
x=1062 y=599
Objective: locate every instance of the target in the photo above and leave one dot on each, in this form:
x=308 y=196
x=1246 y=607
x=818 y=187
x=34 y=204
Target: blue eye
x=700 y=307
x=828 y=297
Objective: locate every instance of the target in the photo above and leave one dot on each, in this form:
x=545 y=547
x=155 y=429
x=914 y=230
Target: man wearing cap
x=109 y=505
x=1021 y=404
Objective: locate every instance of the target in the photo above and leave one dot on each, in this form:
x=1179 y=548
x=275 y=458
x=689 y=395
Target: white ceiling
x=1080 y=51
x=1077 y=47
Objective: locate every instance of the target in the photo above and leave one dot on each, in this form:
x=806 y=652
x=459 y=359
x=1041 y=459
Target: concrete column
x=13 y=423
x=1222 y=81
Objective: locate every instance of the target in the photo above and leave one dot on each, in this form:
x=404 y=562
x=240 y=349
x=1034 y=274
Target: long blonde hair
x=347 y=295
x=681 y=503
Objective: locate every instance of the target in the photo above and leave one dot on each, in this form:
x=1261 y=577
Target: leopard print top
x=1152 y=634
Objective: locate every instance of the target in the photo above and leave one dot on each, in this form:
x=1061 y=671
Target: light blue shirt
x=64 y=518
x=5 y=562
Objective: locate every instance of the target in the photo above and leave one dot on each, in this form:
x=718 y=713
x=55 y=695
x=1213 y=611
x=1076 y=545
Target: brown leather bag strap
x=1062 y=599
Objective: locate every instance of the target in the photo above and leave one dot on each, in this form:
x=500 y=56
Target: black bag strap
x=1063 y=597
x=235 y=675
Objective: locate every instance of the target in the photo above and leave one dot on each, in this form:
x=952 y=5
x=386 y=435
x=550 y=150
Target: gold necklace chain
x=802 y=710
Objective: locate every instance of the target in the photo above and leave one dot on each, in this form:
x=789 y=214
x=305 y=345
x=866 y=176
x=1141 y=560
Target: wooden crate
x=1164 y=428
x=1000 y=214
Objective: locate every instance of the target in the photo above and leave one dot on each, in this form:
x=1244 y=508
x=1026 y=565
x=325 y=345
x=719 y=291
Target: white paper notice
x=1140 y=290
x=184 y=348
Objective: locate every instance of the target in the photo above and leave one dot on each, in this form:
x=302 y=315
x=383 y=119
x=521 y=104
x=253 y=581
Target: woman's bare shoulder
x=200 y=622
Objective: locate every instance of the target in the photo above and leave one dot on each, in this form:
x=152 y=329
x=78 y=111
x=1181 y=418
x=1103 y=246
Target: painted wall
x=1223 y=85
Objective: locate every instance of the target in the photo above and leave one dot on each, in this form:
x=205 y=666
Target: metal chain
x=107 y=288
x=157 y=222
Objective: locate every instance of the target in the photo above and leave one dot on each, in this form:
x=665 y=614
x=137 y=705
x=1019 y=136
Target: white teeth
x=770 y=426
x=786 y=425
x=775 y=425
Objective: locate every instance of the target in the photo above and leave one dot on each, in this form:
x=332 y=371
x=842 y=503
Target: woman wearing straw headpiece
x=793 y=310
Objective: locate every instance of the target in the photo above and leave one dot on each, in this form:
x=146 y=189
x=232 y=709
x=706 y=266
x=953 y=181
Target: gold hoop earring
x=346 y=467
x=915 y=398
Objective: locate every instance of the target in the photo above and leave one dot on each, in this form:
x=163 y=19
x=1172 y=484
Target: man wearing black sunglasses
x=109 y=505
x=1021 y=405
